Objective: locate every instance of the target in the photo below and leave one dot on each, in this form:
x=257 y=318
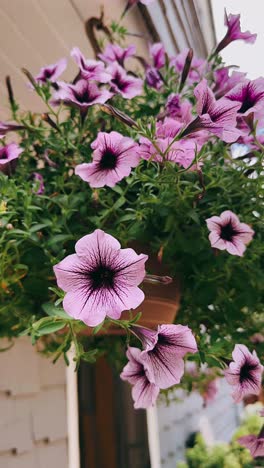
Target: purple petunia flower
x=154 y=78
x=234 y=33
x=163 y=352
x=255 y=444
x=101 y=279
x=249 y=95
x=218 y=117
x=178 y=109
x=51 y=72
x=113 y=158
x=181 y=152
x=122 y=83
x=90 y=69
x=224 y=83
x=38 y=181
x=144 y=392
x=115 y=53
x=158 y=55
x=83 y=94
x=197 y=69
x=228 y=233
x=244 y=373
x=9 y=153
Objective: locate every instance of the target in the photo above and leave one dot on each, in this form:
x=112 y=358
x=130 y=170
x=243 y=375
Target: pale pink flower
x=100 y=279
x=153 y=78
x=249 y=95
x=157 y=52
x=163 y=352
x=218 y=117
x=144 y=392
x=115 y=53
x=181 y=151
x=8 y=153
x=228 y=233
x=113 y=158
x=234 y=33
x=244 y=373
x=197 y=69
x=179 y=109
x=51 y=72
x=90 y=69
x=123 y=83
x=83 y=94
x=255 y=444
x=223 y=82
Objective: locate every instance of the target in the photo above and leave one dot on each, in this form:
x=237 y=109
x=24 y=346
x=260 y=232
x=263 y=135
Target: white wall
x=33 y=419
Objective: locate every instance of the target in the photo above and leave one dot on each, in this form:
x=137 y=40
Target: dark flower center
x=102 y=277
x=84 y=97
x=249 y=99
x=48 y=73
x=246 y=372
x=119 y=82
x=228 y=232
x=108 y=160
x=248 y=102
x=3 y=154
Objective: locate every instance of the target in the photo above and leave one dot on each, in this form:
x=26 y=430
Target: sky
x=250 y=57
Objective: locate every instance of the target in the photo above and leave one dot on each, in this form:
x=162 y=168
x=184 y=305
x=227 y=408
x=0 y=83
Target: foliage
x=162 y=205
x=223 y=455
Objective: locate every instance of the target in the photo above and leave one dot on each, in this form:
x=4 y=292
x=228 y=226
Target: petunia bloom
x=154 y=78
x=244 y=373
x=218 y=117
x=197 y=69
x=113 y=158
x=228 y=233
x=234 y=33
x=83 y=94
x=51 y=72
x=123 y=83
x=163 y=352
x=178 y=109
x=255 y=444
x=181 y=152
x=249 y=95
x=90 y=69
x=223 y=82
x=144 y=392
x=157 y=52
x=8 y=153
x=115 y=53
x=100 y=279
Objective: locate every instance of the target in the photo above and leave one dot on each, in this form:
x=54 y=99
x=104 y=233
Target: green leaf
x=51 y=327
x=120 y=202
x=38 y=227
x=89 y=356
x=54 y=311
